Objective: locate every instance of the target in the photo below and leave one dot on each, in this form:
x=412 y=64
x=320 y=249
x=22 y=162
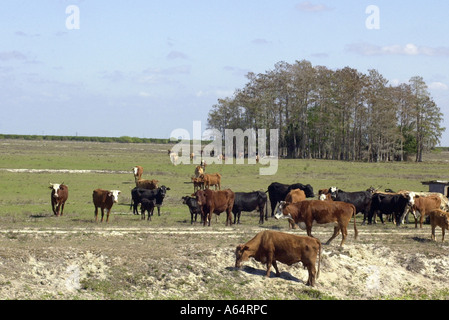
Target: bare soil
x=196 y=262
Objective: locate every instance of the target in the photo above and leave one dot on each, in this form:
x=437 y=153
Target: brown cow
x=270 y=246
x=147 y=184
x=59 y=195
x=137 y=171
x=198 y=184
x=294 y=196
x=198 y=171
x=306 y=213
x=211 y=180
x=104 y=199
x=424 y=205
x=439 y=218
x=215 y=202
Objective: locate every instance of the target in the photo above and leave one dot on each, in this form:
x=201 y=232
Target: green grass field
x=25 y=198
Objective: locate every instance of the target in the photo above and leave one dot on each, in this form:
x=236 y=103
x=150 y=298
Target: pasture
x=72 y=257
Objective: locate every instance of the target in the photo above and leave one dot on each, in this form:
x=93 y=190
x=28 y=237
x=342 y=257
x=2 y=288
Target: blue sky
x=146 y=68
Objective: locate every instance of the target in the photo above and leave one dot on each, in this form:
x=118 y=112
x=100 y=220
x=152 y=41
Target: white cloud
x=438 y=86
x=409 y=49
x=307 y=6
x=176 y=55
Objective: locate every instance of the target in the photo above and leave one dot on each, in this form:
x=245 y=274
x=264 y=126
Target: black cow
x=147 y=205
x=395 y=204
x=249 y=201
x=360 y=199
x=137 y=194
x=194 y=207
x=278 y=191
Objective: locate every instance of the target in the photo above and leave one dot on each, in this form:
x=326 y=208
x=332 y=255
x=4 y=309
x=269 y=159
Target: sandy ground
x=198 y=263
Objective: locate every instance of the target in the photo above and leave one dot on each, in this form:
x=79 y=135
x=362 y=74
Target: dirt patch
x=198 y=263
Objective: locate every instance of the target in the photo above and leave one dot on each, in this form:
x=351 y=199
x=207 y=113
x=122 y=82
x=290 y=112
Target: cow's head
x=411 y=198
x=333 y=192
x=55 y=187
x=114 y=194
x=200 y=196
x=308 y=190
x=280 y=214
x=322 y=197
x=241 y=254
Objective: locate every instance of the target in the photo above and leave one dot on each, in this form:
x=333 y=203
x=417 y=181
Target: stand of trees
x=334 y=114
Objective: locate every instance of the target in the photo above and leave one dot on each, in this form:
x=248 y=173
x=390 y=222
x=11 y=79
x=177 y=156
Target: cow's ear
x=168 y=188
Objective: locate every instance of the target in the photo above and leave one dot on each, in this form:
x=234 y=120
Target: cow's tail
x=319 y=258
x=354 y=213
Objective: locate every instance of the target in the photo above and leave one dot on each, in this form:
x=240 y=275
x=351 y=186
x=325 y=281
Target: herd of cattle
x=334 y=206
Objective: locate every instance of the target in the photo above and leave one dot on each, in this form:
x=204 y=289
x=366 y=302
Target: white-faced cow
x=104 y=199
x=270 y=246
x=423 y=205
x=137 y=171
x=278 y=191
x=307 y=213
x=59 y=195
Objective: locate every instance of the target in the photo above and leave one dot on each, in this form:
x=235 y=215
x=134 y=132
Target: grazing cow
x=439 y=218
x=249 y=201
x=423 y=205
x=211 y=180
x=147 y=205
x=137 y=194
x=59 y=195
x=137 y=171
x=194 y=207
x=307 y=213
x=278 y=191
x=394 y=204
x=198 y=171
x=360 y=199
x=215 y=202
x=147 y=184
x=104 y=199
x=270 y=246
x=198 y=184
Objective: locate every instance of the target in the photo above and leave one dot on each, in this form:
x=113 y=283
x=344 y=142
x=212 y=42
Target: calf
x=211 y=180
x=423 y=205
x=249 y=201
x=215 y=202
x=278 y=191
x=307 y=213
x=194 y=207
x=137 y=194
x=59 y=195
x=198 y=184
x=147 y=205
x=439 y=218
x=270 y=246
x=147 y=184
x=360 y=199
x=294 y=196
x=104 y=199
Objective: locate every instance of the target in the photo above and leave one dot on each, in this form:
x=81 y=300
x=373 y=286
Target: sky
x=146 y=68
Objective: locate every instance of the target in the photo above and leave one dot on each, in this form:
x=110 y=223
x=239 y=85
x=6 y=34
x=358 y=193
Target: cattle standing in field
x=137 y=194
x=269 y=246
x=294 y=196
x=439 y=218
x=137 y=171
x=215 y=202
x=278 y=191
x=104 y=199
x=147 y=184
x=360 y=199
x=249 y=201
x=59 y=195
x=198 y=171
x=198 y=184
x=147 y=205
x=211 y=180
x=194 y=207
x=423 y=205
x=394 y=204
x=307 y=213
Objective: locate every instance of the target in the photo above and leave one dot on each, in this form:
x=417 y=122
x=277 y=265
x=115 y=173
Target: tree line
x=338 y=114
x=122 y=139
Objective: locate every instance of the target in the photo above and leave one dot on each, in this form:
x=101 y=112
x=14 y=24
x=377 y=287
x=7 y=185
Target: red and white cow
x=59 y=195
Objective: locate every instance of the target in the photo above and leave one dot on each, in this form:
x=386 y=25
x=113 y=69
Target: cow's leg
x=96 y=214
x=312 y=275
x=102 y=214
x=62 y=208
x=276 y=268
x=107 y=214
x=336 y=232
x=433 y=232
x=442 y=230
